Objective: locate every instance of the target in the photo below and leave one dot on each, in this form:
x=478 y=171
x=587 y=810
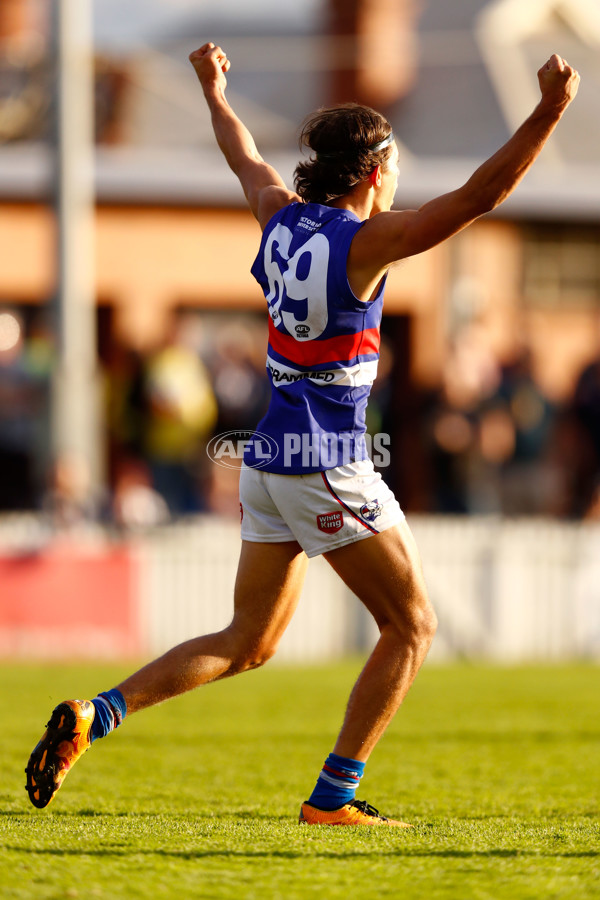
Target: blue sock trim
x=337 y=783
x=118 y=703
x=111 y=709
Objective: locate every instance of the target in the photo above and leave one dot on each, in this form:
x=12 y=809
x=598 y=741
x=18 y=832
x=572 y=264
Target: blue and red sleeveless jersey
x=323 y=343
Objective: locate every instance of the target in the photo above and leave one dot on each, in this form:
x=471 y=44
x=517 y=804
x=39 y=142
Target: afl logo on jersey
x=302 y=330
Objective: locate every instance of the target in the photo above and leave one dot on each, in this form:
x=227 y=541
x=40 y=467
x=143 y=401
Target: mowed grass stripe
x=497 y=768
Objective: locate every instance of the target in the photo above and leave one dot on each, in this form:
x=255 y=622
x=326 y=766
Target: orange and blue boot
x=358 y=812
x=66 y=738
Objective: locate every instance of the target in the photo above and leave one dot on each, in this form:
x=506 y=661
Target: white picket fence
x=507 y=591
x=513 y=590
x=503 y=590
x=188 y=573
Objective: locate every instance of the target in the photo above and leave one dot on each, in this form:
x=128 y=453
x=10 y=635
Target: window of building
x=561 y=266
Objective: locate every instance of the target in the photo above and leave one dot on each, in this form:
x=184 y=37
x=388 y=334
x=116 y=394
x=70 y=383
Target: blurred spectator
x=24 y=380
x=452 y=433
x=491 y=430
x=180 y=414
x=381 y=392
x=235 y=358
x=126 y=405
x=523 y=421
x=238 y=370
x=137 y=506
x=465 y=455
x=584 y=461
x=70 y=502
x=236 y=361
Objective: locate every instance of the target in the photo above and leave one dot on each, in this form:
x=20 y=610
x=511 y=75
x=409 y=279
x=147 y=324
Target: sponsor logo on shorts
x=371 y=510
x=330 y=522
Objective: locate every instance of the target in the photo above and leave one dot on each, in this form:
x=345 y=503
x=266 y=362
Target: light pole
x=76 y=419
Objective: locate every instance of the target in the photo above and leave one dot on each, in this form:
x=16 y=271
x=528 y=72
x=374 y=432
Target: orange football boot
x=66 y=738
x=356 y=813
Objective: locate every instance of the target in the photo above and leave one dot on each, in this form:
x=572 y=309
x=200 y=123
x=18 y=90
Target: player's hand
x=210 y=63
x=558 y=81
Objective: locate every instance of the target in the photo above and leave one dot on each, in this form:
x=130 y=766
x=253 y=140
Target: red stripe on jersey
x=336 y=349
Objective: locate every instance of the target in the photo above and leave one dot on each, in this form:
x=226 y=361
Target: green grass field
x=497 y=768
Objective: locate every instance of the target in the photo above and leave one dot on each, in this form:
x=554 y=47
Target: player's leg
x=384 y=571
x=268 y=585
x=267 y=589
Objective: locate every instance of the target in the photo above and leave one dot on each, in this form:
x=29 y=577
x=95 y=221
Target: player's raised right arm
x=264 y=188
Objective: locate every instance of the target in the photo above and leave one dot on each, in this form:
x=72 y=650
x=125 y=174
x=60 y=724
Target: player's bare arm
x=264 y=188
x=391 y=236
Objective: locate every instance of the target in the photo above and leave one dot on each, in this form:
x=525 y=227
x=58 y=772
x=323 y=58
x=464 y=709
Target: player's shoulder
x=384 y=221
x=378 y=236
x=271 y=200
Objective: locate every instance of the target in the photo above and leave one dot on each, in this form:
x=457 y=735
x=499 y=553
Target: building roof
x=476 y=81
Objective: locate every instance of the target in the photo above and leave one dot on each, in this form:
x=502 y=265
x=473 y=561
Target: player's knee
x=426 y=625
x=415 y=631
x=416 y=621
x=422 y=617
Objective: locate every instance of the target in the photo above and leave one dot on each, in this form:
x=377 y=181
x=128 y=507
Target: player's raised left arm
x=264 y=188
x=395 y=235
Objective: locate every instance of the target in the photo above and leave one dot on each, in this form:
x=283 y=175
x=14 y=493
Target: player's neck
x=359 y=201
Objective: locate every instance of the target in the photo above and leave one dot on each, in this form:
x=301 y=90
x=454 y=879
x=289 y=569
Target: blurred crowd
x=488 y=441
x=500 y=445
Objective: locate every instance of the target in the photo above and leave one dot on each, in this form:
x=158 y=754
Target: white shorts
x=322 y=510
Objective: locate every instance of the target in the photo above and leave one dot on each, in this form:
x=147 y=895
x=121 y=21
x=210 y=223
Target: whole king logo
x=330 y=522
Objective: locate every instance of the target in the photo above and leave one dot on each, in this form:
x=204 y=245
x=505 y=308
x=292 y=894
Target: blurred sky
x=124 y=23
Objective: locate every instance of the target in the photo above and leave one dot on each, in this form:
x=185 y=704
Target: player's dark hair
x=345 y=142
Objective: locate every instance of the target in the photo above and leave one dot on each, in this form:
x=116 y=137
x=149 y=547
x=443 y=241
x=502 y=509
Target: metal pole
x=76 y=426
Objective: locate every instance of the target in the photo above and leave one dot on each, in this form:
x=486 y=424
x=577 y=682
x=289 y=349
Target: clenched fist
x=210 y=63
x=558 y=81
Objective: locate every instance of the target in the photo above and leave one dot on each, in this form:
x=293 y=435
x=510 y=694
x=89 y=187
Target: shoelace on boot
x=368 y=810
